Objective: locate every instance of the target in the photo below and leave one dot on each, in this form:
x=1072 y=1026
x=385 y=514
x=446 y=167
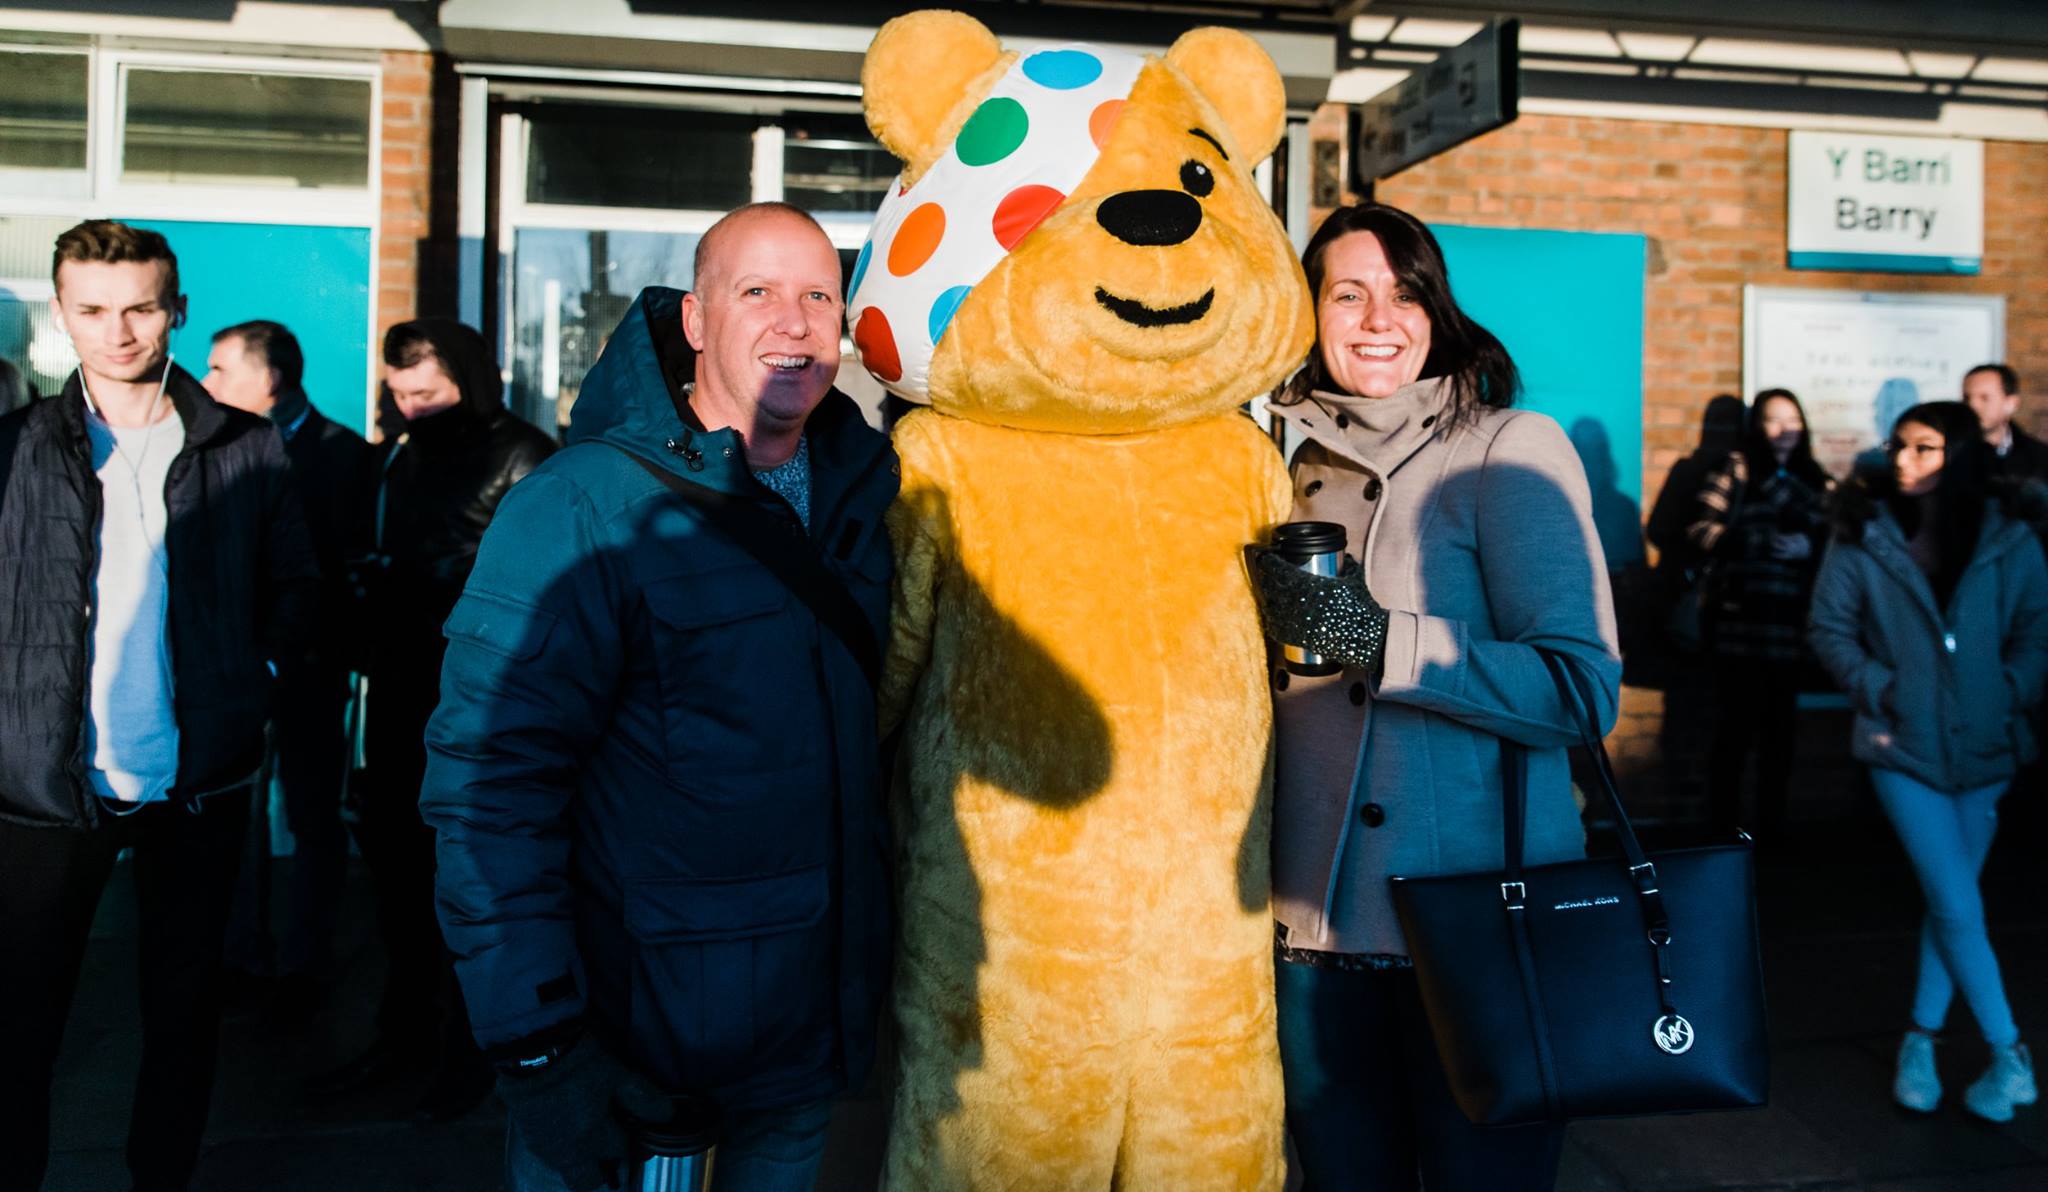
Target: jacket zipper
x=95 y=510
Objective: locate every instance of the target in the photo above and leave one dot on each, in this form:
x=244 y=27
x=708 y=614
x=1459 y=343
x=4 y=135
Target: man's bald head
x=765 y=317
x=706 y=260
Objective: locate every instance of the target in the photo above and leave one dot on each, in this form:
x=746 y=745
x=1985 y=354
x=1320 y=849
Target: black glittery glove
x=564 y=1110
x=1332 y=616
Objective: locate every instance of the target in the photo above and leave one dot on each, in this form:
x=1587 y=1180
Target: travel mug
x=675 y=1155
x=1316 y=547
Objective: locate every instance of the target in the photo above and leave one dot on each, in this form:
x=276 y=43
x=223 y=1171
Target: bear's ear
x=1241 y=83
x=919 y=82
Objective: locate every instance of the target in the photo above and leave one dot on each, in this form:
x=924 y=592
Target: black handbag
x=1598 y=988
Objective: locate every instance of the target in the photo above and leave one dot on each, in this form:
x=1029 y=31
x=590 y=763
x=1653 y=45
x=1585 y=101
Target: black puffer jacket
x=332 y=467
x=442 y=479
x=243 y=584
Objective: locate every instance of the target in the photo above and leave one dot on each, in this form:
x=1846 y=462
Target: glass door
x=601 y=199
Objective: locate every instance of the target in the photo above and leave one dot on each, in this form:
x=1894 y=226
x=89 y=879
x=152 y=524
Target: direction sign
x=1464 y=91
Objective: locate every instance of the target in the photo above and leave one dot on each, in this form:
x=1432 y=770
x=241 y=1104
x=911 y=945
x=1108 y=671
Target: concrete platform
x=1838 y=908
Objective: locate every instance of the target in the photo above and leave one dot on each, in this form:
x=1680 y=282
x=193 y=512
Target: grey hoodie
x=1940 y=694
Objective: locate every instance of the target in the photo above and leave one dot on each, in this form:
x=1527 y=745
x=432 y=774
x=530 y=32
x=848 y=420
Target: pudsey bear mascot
x=1078 y=276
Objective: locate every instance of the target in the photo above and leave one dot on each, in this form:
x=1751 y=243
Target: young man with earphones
x=155 y=571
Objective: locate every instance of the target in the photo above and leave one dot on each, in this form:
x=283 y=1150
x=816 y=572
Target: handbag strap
x=780 y=545
x=1574 y=690
x=1514 y=765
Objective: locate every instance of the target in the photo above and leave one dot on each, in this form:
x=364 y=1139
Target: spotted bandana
x=1015 y=161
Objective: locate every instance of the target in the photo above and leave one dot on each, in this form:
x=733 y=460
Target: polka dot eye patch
x=1024 y=149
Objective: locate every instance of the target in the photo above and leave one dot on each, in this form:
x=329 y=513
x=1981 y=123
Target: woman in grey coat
x=1931 y=611
x=1472 y=529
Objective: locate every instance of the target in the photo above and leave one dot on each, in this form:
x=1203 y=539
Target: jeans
x=1367 y=1103
x=1947 y=838
x=770 y=1150
x=50 y=883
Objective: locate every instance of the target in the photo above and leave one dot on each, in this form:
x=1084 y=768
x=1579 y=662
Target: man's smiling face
x=765 y=317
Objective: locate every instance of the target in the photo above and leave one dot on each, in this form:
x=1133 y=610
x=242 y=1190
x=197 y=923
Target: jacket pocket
x=734 y=975
x=740 y=689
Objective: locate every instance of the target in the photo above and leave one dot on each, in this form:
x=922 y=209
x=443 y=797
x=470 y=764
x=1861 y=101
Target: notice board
x=1857 y=359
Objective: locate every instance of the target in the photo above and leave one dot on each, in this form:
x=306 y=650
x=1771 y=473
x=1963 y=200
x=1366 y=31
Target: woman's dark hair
x=1961 y=492
x=1763 y=458
x=1479 y=367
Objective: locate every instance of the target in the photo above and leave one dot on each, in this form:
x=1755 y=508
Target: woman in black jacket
x=1760 y=524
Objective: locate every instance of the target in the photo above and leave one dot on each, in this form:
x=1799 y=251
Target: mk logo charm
x=1673 y=1034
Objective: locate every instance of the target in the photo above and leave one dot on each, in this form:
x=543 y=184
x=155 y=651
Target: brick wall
x=405 y=179
x=1711 y=201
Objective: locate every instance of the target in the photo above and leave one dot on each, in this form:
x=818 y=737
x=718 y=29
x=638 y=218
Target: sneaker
x=2009 y=1081
x=1917 y=1086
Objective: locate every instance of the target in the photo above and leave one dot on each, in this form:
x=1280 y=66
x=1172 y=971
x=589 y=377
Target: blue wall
x=1569 y=307
x=314 y=280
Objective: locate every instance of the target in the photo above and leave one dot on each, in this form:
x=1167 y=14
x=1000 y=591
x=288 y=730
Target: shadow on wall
x=1617 y=519
x=1894 y=397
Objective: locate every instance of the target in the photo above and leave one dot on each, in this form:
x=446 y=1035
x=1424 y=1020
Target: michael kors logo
x=1579 y=904
x=1673 y=1034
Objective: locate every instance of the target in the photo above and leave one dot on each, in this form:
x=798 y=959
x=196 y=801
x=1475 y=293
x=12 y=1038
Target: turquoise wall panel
x=1569 y=307
x=314 y=280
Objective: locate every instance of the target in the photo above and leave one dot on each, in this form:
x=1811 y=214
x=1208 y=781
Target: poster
x=1857 y=359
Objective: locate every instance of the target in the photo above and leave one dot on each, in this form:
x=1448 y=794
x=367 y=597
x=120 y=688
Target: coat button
x=1358 y=694
x=1372 y=489
x=1342 y=422
x=1373 y=814
x=1314 y=487
x=1280 y=678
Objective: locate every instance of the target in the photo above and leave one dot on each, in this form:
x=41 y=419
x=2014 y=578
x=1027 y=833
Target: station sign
x=1884 y=203
x=1468 y=89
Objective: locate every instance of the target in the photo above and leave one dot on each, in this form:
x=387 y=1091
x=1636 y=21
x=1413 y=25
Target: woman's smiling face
x=1372 y=330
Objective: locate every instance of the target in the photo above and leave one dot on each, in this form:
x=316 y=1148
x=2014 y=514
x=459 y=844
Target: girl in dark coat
x=1931 y=611
x=1760 y=524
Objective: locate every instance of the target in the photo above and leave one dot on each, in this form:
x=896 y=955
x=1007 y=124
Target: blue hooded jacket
x=653 y=773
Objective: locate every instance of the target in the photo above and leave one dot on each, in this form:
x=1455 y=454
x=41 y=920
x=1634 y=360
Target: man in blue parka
x=654 y=770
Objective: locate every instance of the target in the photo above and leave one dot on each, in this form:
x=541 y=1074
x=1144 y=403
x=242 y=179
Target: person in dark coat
x=157 y=577
x=455 y=455
x=258 y=367
x=1992 y=391
x=1931 y=613
x=654 y=768
x=1760 y=522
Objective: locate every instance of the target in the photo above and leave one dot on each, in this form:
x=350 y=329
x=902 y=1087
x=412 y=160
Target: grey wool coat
x=1941 y=694
x=1477 y=535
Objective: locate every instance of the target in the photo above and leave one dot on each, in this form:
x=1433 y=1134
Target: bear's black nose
x=1150 y=217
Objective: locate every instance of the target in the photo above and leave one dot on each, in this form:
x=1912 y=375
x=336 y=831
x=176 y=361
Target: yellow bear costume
x=1084 y=985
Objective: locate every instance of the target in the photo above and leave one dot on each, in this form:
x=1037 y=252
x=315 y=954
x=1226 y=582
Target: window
x=602 y=199
x=572 y=287
x=30 y=337
x=237 y=128
x=43 y=120
x=660 y=158
x=830 y=163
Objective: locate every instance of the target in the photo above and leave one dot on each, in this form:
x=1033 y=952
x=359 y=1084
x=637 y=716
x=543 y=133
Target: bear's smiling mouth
x=1130 y=310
